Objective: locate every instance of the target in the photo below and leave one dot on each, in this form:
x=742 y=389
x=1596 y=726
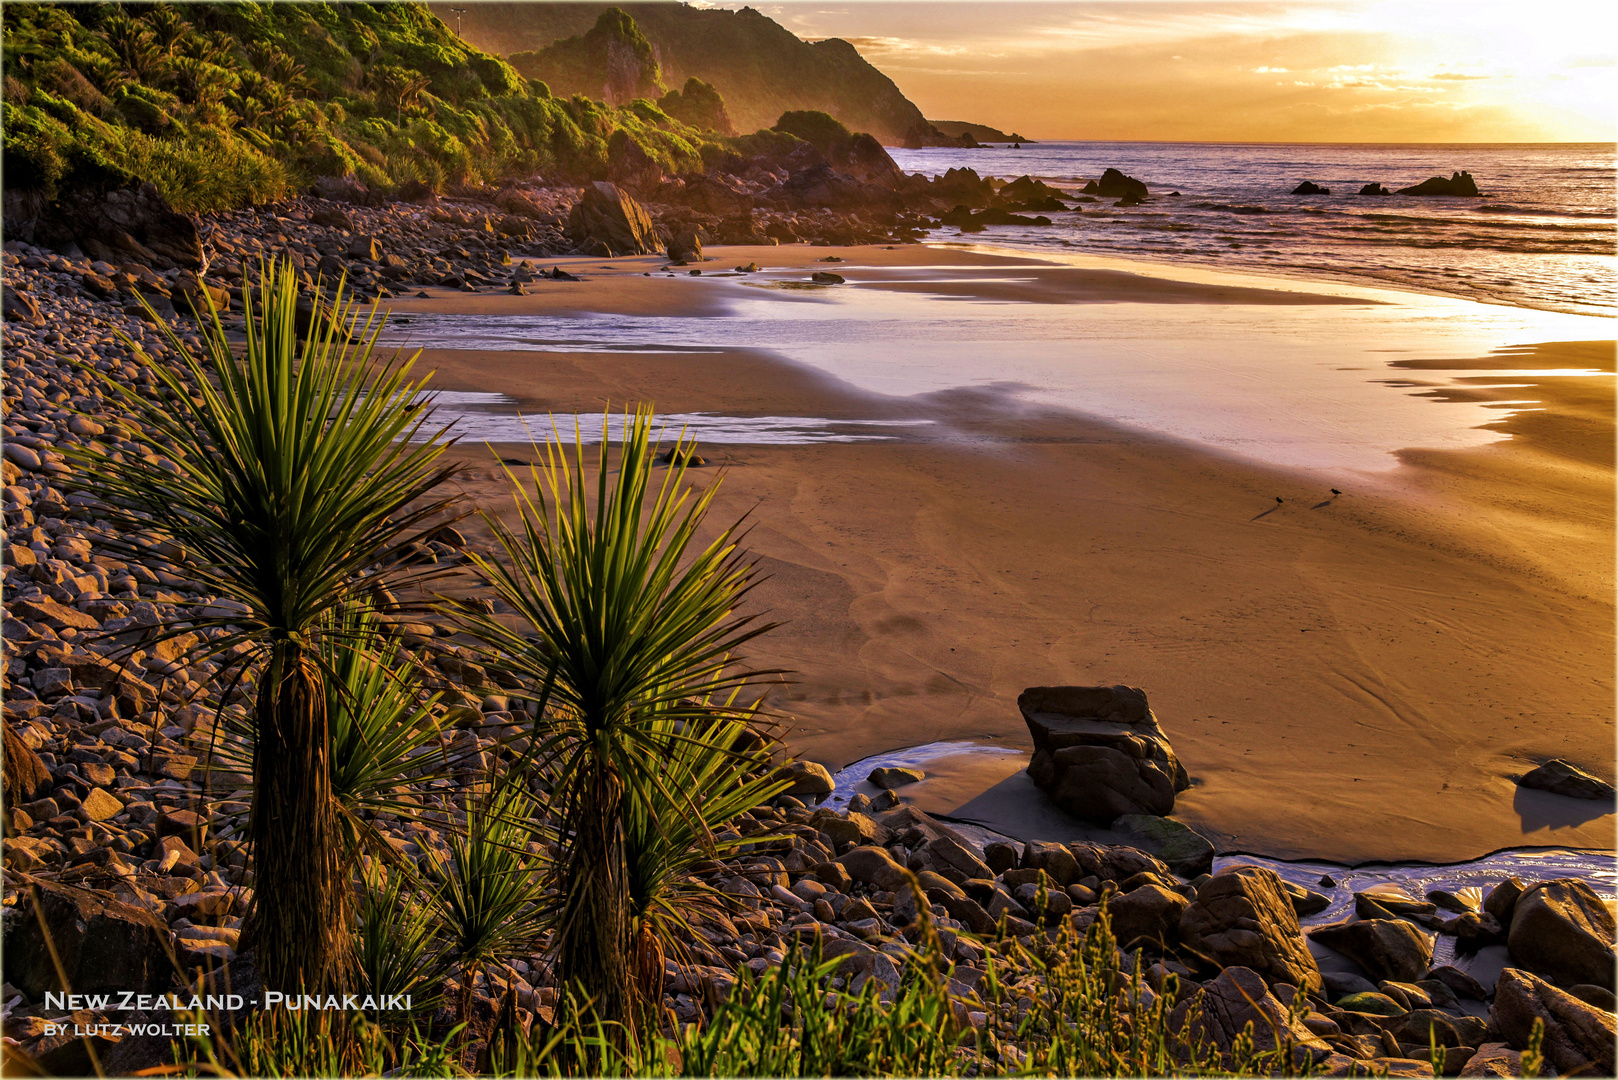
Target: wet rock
x=895 y=777
x=606 y=216
x=1187 y=852
x=1374 y=189
x=103 y=945
x=1501 y=901
x=805 y=778
x=1242 y=917
x=1578 y=1037
x=1309 y=187
x=685 y=246
x=1459 y=184
x=1561 y=930
x=1114 y=184
x=1564 y=778
x=1099 y=752
x=826 y=277
x=1237 y=998
x=1385 y=948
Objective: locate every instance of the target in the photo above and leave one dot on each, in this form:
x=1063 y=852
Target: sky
x=1320 y=71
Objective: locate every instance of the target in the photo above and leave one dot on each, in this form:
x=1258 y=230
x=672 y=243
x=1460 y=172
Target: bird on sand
x=1278 y=500
x=1334 y=491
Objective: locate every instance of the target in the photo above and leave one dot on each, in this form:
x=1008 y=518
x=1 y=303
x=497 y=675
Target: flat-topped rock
x=1099 y=752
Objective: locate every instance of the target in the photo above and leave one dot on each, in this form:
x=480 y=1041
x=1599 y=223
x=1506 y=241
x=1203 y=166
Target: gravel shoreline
x=110 y=826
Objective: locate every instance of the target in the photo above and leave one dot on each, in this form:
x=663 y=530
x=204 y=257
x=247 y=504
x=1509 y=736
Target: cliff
x=758 y=66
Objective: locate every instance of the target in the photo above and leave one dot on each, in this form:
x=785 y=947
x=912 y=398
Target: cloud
x=1269 y=70
x=1458 y=76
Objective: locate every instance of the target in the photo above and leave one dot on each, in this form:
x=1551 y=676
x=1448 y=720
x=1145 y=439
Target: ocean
x=1543 y=236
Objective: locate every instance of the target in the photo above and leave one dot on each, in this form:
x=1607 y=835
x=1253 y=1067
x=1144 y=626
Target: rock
x=1374 y=189
x=1578 y=1037
x=1340 y=984
x=1493 y=1059
x=1564 y=778
x=805 y=778
x=686 y=246
x=950 y=852
x=1114 y=184
x=1242 y=917
x=1459 y=982
x=101 y=806
x=1501 y=901
x=1002 y=856
x=23 y=456
x=1423 y=1027
x=1115 y=862
x=103 y=945
x=1599 y=996
x=1304 y=901
x=1371 y=1002
x=1150 y=912
x=18 y=306
x=1237 y=998
x=1099 y=752
x=52 y=614
x=126 y=225
x=332 y=217
x=1309 y=187
x=826 y=277
x=1561 y=931
x=1385 y=948
x=852 y=828
x=24 y=774
x=874 y=866
x=1187 y=853
x=606 y=216
x=890 y=778
x=365 y=247
x=1459 y=184
x=1055 y=860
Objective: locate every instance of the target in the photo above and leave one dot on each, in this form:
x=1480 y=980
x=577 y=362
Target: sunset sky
x=1403 y=71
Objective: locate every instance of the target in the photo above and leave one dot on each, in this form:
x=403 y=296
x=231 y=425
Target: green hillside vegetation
x=612 y=61
x=699 y=105
x=227 y=104
x=761 y=68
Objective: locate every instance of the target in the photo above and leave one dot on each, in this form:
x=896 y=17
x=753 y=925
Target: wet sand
x=1348 y=678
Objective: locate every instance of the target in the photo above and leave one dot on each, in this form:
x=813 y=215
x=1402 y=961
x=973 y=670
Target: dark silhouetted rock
x=127 y=225
x=1561 y=930
x=1460 y=184
x=1385 y=948
x=685 y=246
x=1099 y=752
x=1578 y=1037
x=103 y=945
x=1114 y=184
x=1374 y=189
x=606 y=217
x=1242 y=916
x=1564 y=778
x=1309 y=187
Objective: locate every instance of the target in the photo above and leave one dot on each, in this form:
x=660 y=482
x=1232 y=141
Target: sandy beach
x=1354 y=678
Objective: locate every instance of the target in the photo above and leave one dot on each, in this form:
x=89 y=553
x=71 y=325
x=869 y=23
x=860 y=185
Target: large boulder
x=1099 y=752
x=1114 y=862
x=607 y=218
x=1460 y=184
x=1149 y=911
x=1390 y=949
x=805 y=778
x=1578 y=1037
x=1562 y=931
x=103 y=945
x=1243 y=917
x=1237 y=998
x=1565 y=778
x=1114 y=184
x=126 y=225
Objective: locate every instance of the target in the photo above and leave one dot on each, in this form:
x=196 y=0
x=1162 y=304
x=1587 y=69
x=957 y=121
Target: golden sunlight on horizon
x=1363 y=71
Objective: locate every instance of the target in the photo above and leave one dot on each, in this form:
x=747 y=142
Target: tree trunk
x=301 y=920
x=595 y=948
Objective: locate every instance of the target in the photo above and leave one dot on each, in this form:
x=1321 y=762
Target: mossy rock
x=1187 y=852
